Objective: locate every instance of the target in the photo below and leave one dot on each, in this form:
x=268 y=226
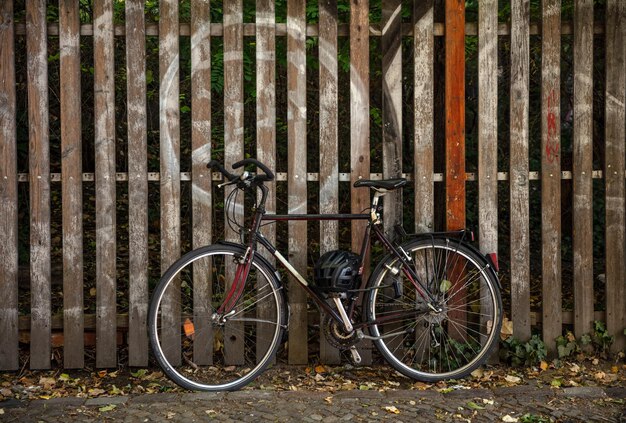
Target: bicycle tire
x=192 y=346
x=424 y=344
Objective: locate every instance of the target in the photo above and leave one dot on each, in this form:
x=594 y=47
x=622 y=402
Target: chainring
x=336 y=334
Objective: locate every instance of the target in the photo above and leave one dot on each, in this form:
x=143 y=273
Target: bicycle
x=431 y=306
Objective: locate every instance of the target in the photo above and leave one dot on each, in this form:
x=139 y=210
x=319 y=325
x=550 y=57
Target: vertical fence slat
x=455 y=114
x=104 y=110
x=583 y=167
x=9 y=357
x=71 y=169
x=233 y=134
x=518 y=168
x=359 y=124
x=551 y=171
x=329 y=165
x=201 y=191
x=39 y=183
x=392 y=109
x=423 y=159
x=296 y=178
x=137 y=184
x=614 y=171
x=488 y=125
x=169 y=125
x=266 y=126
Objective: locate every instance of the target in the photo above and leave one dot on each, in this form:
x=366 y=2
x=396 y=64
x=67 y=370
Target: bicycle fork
x=236 y=289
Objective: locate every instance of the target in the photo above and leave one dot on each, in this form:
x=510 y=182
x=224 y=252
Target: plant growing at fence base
x=518 y=353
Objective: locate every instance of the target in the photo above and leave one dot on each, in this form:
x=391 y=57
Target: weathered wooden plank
x=71 y=168
x=296 y=178
x=583 y=167
x=169 y=126
x=550 y=171
x=266 y=132
x=329 y=165
x=9 y=357
x=233 y=133
x=455 y=114
x=201 y=190
x=518 y=164
x=104 y=107
x=137 y=183
x=488 y=125
x=39 y=181
x=392 y=109
x=359 y=126
x=614 y=171
x=423 y=100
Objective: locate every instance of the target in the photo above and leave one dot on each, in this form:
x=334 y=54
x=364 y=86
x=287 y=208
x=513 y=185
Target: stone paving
x=523 y=403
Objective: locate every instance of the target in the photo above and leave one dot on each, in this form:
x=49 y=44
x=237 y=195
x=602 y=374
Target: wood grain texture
x=266 y=133
x=9 y=357
x=518 y=170
x=39 y=183
x=392 y=110
x=104 y=110
x=72 y=187
x=328 y=144
x=169 y=127
x=614 y=171
x=296 y=177
x=423 y=101
x=583 y=167
x=233 y=135
x=138 y=295
x=551 y=171
x=488 y=126
x=360 y=129
x=201 y=186
x=455 y=114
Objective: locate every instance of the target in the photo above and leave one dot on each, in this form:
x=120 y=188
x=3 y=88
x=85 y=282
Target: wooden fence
x=420 y=33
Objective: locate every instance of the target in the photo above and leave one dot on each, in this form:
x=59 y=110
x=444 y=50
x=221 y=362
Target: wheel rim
x=437 y=345
x=201 y=351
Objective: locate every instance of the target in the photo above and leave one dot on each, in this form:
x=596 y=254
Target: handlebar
x=266 y=176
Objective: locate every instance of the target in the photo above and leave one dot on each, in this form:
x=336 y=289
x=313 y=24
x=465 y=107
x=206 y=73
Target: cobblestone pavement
x=519 y=403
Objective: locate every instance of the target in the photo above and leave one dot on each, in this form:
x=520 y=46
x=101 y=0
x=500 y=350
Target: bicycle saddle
x=386 y=184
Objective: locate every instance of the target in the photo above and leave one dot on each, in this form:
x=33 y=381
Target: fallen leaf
x=329 y=400
x=109 y=407
x=488 y=401
x=1 y=411
x=47 y=382
x=210 y=412
x=507 y=329
x=478 y=373
x=614 y=369
x=556 y=383
x=102 y=373
x=320 y=369
x=473 y=406
x=509 y=419
x=513 y=379
x=599 y=375
x=392 y=409
x=543 y=365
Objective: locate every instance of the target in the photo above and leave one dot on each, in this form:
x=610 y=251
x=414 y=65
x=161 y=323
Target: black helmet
x=337 y=270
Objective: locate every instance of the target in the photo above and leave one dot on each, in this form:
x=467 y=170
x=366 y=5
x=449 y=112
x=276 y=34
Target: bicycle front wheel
x=203 y=347
x=455 y=338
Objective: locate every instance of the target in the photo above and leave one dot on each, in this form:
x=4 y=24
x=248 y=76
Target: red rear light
x=493 y=257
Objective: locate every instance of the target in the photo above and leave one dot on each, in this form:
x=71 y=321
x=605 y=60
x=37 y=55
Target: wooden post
x=297 y=175
x=614 y=171
x=9 y=355
x=137 y=184
x=72 y=187
x=233 y=142
x=201 y=186
x=583 y=167
x=169 y=127
x=39 y=183
x=104 y=98
x=329 y=150
x=518 y=164
x=551 y=171
x=266 y=137
x=423 y=100
x=392 y=109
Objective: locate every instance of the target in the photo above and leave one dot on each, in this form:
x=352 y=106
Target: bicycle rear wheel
x=201 y=347
x=434 y=345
